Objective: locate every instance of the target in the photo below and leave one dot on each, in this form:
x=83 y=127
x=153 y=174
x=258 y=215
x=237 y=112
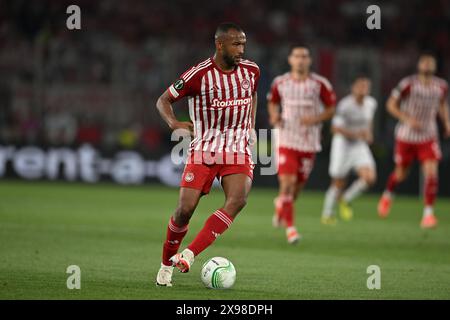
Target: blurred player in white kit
x=352 y=134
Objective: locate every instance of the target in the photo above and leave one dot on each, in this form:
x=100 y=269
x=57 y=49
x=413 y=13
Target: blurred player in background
x=222 y=106
x=352 y=134
x=416 y=102
x=298 y=102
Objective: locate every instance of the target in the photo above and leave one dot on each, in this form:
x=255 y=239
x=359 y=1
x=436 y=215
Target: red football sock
x=175 y=235
x=430 y=190
x=392 y=183
x=214 y=227
x=287 y=210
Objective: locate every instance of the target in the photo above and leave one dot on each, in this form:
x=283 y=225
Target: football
x=218 y=273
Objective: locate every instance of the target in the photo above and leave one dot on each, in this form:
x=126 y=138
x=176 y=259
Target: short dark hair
x=224 y=27
x=294 y=46
x=427 y=53
x=361 y=76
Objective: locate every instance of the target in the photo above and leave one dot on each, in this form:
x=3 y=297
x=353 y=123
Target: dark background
x=99 y=85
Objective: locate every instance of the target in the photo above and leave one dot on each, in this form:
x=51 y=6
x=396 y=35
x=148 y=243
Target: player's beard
x=231 y=63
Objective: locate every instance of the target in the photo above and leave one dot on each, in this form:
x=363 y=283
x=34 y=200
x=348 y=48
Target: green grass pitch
x=115 y=233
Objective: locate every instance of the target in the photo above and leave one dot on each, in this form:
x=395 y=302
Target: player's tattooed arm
x=164 y=106
x=393 y=107
x=444 y=115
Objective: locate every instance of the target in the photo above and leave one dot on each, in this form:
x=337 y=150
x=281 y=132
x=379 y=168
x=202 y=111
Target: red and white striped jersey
x=422 y=102
x=299 y=99
x=220 y=105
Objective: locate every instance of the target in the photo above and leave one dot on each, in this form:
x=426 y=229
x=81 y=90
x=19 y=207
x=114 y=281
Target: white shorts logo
x=189 y=177
x=282 y=159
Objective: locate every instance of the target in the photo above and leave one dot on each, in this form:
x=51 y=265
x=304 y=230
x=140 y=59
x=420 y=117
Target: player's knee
x=370 y=179
x=338 y=184
x=236 y=204
x=288 y=184
x=240 y=203
x=401 y=173
x=430 y=170
x=184 y=213
x=288 y=189
x=431 y=175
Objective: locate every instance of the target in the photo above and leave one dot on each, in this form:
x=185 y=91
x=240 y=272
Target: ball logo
x=245 y=84
x=189 y=177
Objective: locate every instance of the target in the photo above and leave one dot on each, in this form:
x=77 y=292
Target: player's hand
x=413 y=123
x=253 y=137
x=367 y=136
x=447 y=130
x=357 y=135
x=185 y=127
x=308 y=121
x=275 y=120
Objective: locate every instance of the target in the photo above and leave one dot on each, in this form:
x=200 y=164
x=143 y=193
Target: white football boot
x=164 y=277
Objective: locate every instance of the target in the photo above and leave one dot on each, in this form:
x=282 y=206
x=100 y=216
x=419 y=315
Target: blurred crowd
x=100 y=84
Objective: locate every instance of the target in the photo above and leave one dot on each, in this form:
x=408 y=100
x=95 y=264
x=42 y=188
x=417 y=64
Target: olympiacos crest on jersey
x=245 y=84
